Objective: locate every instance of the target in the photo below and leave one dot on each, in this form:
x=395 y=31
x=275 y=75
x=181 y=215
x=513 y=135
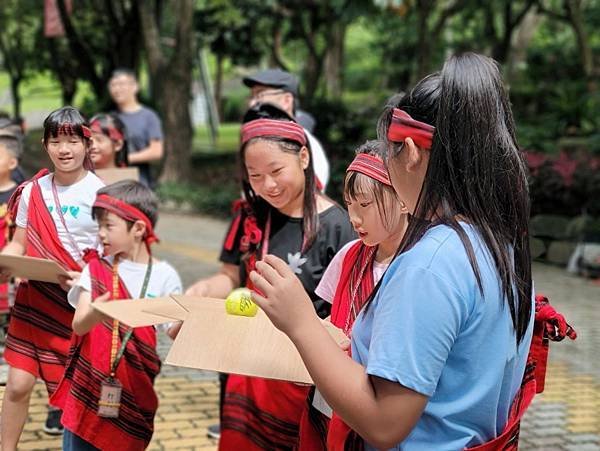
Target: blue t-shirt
x=142 y=126
x=430 y=329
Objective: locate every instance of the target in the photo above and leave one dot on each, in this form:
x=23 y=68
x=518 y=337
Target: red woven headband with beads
x=271 y=127
x=371 y=166
x=113 y=133
x=127 y=212
x=403 y=126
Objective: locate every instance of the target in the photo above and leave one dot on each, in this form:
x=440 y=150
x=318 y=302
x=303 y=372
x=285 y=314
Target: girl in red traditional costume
x=439 y=351
x=355 y=270
x=54 y=221
x=285 y=215
x=108 y=358
x=109 y=146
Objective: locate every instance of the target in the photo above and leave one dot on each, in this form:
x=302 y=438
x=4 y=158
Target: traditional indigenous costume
x=548 y=325
x=260 y=413
x=114 y=354
x=40 y=328
x=356 y=280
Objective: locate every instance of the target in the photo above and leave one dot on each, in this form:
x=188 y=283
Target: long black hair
x=261 y=208
x=476 y=171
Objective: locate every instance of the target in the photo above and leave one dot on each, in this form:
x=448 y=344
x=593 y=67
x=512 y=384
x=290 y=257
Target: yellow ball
x=239 y=302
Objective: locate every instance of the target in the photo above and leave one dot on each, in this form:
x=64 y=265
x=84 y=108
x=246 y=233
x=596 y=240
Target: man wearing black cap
x=281 y=89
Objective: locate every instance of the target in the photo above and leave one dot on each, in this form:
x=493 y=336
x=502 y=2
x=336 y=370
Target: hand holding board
x=212 y=339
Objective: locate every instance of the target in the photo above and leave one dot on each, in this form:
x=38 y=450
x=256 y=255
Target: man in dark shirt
x=144 y=130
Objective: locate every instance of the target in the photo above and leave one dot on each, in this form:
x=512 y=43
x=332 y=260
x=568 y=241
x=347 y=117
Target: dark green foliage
x=341 y=130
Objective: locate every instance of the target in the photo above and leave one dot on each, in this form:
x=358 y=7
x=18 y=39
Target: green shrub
x=210 y=200
x=549 y=226
x=234 y=107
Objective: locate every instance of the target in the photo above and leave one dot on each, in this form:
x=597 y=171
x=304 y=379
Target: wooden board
x=142 y=312
x=32 y=268
x=110 y=176
x=211 y=339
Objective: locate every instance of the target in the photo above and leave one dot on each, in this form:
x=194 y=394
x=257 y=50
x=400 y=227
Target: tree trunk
x=63 y=72
x=312 y=67
x=219 y=85
x=334 y=61
x=276 y=49
x=583 y=44
x=523 y=37
x=68 y=89
x=86 y=60
x=512 y=20
x=177 y=124
x=172 y=77
x=311 y=77
x=423 y=41
x=16 y=97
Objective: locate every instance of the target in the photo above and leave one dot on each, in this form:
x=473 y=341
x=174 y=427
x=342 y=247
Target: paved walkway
x=565 y=417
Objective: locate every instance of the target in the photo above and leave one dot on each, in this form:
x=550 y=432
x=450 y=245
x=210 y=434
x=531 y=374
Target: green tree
x=17 y=43
x=582 y=16
x=100 y=35
x=241 y=32
x=321 y=26
x=168 y=39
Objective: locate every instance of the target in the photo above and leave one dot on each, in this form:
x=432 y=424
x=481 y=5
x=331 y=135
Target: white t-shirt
x=76 y=201
x=331 y=277
x=164 y=280
x=320 y=161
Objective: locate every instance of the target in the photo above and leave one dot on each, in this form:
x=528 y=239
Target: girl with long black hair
x=439 y=352
x=284 y=214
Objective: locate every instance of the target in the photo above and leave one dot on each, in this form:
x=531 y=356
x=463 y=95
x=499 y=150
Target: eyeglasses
x=262 y=94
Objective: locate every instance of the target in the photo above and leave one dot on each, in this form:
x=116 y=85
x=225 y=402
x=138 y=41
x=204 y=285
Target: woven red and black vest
x=88 y=366
x=354 y=286
x=39 y=333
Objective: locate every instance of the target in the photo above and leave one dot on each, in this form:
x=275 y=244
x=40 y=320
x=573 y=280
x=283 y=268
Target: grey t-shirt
x=142 y=126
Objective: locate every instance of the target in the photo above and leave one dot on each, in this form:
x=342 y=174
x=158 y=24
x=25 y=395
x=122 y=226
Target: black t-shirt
x=285 y=242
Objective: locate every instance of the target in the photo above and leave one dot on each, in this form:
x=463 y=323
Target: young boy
x=108 y=357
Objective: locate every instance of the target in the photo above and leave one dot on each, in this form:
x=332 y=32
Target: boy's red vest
x=88 y=366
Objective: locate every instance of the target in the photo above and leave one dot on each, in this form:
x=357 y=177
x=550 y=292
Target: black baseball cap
x=273 y=77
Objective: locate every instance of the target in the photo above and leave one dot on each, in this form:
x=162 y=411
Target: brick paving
x=565 y=417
